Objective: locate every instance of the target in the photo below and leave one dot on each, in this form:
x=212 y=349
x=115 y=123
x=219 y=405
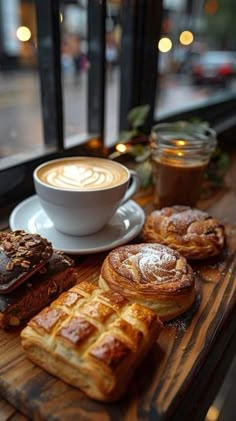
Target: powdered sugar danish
x=150 y=274
x=192 y=232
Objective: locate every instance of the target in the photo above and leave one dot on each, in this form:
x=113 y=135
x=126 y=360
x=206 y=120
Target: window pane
x=197 y=54
x=20 y=110
x=74 y=62
x=76 y=66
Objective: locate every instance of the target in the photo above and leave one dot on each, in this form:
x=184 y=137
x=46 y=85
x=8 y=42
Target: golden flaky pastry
x=92 y=339
x=192 y=232
x=150 y=274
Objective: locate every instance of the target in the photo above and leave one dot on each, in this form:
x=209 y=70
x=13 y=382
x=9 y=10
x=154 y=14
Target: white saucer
x=125 y=225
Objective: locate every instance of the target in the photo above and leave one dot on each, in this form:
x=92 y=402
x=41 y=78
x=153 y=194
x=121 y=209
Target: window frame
x=16 y=172
x=141 y=28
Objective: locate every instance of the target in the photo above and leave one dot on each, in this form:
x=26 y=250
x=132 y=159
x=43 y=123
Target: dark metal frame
x=141 y=22
x=97 y=66
x=49 y=57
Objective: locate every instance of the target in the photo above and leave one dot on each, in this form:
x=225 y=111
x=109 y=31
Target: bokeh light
x=186 y=38
x=120 y=147
x=212 y=414
x=23 y=33
x=164 y=45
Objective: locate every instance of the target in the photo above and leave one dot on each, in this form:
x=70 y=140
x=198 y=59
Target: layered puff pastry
x=91 y=339
x=152 y=275
x=192 y=232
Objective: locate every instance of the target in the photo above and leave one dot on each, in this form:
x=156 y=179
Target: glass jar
x=180 y=154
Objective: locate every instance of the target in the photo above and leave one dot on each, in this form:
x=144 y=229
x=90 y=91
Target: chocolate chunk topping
x=20 y=255
x=18 y=245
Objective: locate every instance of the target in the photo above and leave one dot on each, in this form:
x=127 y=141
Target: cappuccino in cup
x=82 y=174
x=80 y=194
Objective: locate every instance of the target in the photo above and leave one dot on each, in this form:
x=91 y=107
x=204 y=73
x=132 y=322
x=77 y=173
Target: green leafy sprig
x=136 y=118
x=217 y=167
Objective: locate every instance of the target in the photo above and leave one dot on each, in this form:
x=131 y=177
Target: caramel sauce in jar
x=180 y=154
x=177 y=185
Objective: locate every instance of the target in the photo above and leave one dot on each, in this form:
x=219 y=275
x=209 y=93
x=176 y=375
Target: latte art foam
x=82 y=174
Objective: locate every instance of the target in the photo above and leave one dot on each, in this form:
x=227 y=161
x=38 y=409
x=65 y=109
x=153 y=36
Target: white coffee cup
x=80 y=194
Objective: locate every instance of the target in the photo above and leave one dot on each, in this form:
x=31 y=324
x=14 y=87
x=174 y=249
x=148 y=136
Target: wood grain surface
x=183 y=371
x=10 y=413
x=160 y=383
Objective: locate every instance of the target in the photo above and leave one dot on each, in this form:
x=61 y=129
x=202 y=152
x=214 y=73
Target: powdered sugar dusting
x=153 y=263
x=156 y=258
x=183 y=219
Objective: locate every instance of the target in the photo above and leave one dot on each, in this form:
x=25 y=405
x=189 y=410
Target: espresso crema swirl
x=82 y=174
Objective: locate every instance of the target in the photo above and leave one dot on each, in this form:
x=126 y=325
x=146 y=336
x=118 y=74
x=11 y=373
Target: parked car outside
x=214 y=67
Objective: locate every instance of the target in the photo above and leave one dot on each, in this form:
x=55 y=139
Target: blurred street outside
x=20 y=107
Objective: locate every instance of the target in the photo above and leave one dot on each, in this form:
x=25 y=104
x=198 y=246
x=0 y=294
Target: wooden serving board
x=162 y=382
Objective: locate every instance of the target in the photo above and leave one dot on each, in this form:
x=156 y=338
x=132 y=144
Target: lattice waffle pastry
x=92 y=339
